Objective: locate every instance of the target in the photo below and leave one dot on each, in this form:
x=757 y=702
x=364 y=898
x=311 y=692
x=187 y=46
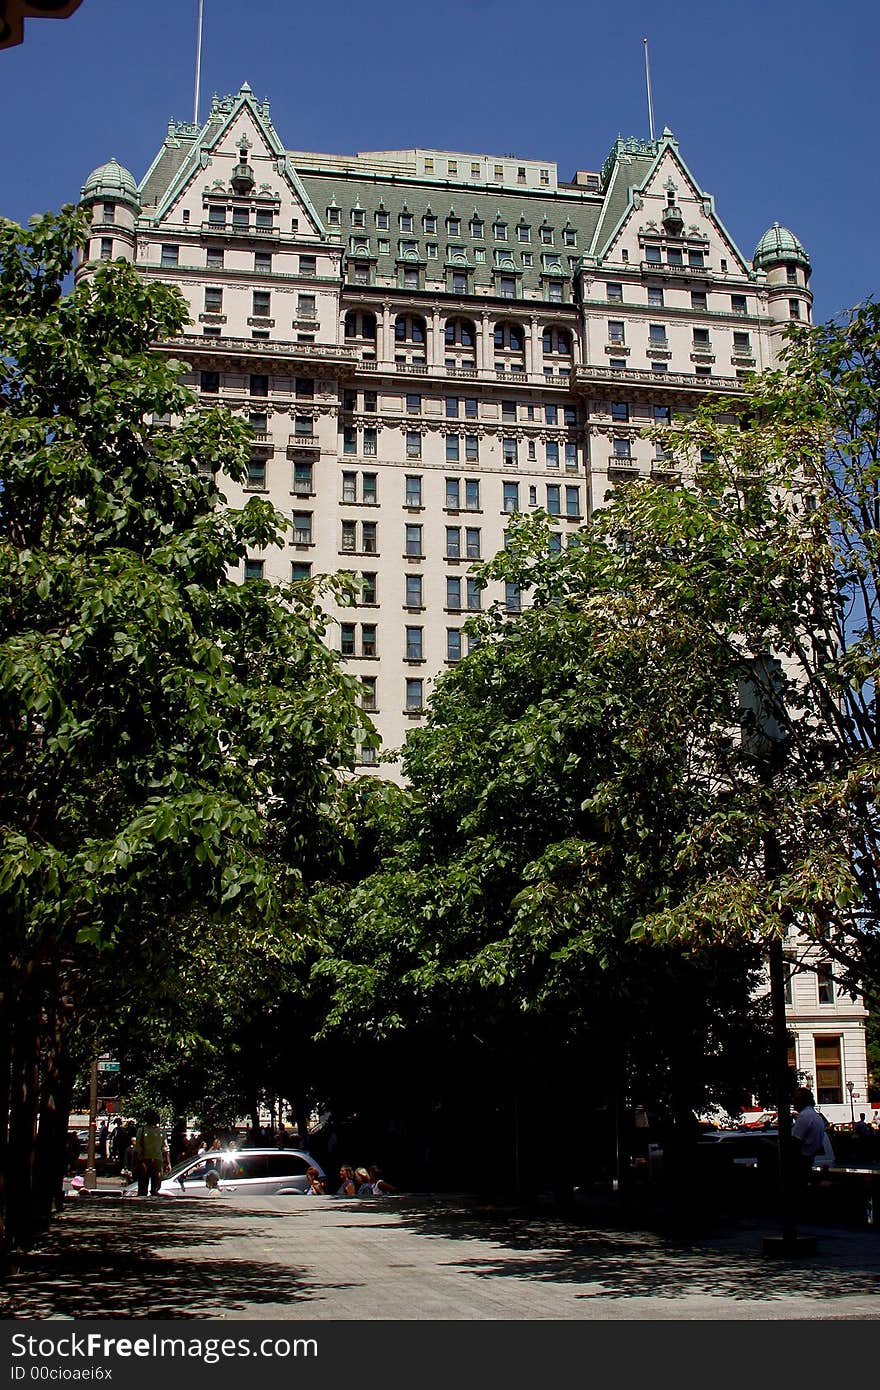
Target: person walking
x=808 y=1131
x=151 y=1151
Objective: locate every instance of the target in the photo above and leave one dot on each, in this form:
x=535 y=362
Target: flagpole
x=648 y=83
x=198 y=64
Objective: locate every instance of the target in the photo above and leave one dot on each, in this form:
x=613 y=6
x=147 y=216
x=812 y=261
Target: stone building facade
x=425 y=341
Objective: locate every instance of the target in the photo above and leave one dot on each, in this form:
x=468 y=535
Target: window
x=109 y=211
x=370 y=401
x=213 y=301
x=303 y=478
x=408 y=248
x=512 y=598
x=453 y=644
x=474 y=596
x=300 y=570
x=413 y=403
x=349 y=530
x=334 y=216
x=509 y=450
x=620 y=411
x=657 y=334
x=358 y=217
x=555 y=291
x=829 y=1077
x=739 y=304
x=347 y=638
x=265 y=217
x=508 y=411
x=256 y=475
x=414 y=591
x=825 y=983
x=698 y=299
x=414 y=644
x=453 y=542
x=369 y=543
x=414 y=695
x=308 y=265
x=169 y=256
x=551 y=453
x=369 y=442
x=405 y=221
x=569 y=236
x=475 y=170
x=413 y=444
x=253 y=569
x=368 y=693
x=661 y=414
x=472 y=542
x=368 y=586
x=452 y=448
x=617 y=364
x=470 y=408
x=794 y=309
x=701 y=339
x=302 y=528
x=382 y=220
x=510 y=495
x=215 y=258
x=696 y=260
x=451 y=406
x=571 y=457
x=368 y=639
x=413 y=540
x=655 y=296
x=499 y=231
x=742 y=342
x=453 y=593
x=523 y=233
x=216 y=216
x=413 y=490
x=368 y=488
x=305 y=306
x=453 y=494
x=472 y=494
x=652 y=255
x=259 y=385
x=429 y=224
x=614 y=293
x=241 y=217
x=615 y=331
x=791 y=275
x=507 y=287
x=459 y=282
x=546 y=236
x=527 y=258
x=622 y=449
x=674 y=255
x=210 y=381
x=572 y=501
x=477 y=229
x=263 y=262
x=472 y=448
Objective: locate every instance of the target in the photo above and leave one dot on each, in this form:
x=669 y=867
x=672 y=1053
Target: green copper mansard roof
x=111 y=180
x=777 y=245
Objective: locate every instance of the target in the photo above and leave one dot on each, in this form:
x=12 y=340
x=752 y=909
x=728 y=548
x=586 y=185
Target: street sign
x=109 y=1066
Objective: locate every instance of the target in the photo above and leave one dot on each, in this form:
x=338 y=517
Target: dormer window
x=382 y=219
x=358 y=217
x=406 y=221
x=334 y=216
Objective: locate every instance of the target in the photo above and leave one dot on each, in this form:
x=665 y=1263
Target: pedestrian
x=364 y=1182
x=808 y=1131
x=101 y=1137
x=381 y=1188
x=153 y=1158
x=347 y=1186
x=315 y=1187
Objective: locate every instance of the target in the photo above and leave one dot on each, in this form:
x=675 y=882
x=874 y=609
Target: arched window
x=410 y=328
x=360 y=323
x=510 y=336
x=460 y=333
x=556 y=341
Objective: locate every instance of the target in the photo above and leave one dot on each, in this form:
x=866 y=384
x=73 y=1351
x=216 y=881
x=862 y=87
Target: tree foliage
x=172 y=740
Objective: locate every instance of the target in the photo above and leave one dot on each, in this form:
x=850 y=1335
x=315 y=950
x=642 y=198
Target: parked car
x=748 y=1147
x=247 y=1172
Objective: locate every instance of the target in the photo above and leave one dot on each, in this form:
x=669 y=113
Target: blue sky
x=774 y=105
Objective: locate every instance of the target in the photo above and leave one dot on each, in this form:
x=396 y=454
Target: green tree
x=172 y=740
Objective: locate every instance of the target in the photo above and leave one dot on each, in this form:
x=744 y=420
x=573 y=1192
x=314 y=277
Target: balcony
x=249 y=348
x=675 y=381
x=227 y=229
x=302 y=441
x=687 y=272
x=626 y=467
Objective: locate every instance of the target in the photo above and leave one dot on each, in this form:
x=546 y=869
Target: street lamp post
x=850 y=1086
x=91 y=1174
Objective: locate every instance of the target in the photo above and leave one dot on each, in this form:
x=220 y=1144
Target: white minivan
x=247 y=1172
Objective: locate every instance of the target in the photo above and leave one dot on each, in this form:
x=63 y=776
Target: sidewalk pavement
x=416 y=1258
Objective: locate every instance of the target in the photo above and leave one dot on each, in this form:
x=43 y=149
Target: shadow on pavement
x=145 y=1260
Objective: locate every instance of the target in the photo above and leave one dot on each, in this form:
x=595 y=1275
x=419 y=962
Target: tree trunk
x=23 y=1110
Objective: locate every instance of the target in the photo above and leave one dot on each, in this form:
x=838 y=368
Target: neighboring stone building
x=425 y=341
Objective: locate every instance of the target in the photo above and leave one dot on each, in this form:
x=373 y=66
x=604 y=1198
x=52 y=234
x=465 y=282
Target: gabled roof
x=181 y=156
